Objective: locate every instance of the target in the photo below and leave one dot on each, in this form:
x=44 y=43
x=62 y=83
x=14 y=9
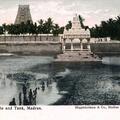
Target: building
x=76 y=38
x=101 y=40
x=23 y=14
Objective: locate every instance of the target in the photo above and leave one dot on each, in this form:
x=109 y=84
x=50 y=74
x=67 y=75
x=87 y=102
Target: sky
x=61 y=11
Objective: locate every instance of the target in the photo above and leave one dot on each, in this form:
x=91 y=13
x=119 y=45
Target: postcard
x=59 y=59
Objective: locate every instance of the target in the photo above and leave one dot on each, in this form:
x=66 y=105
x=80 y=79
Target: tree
x=48 y=26
x=61 y=30
x=1 y=30
x=69 y=25
x=40 y=26
x=29 y=27
x=81 y=21
x=55 y=30
x=109 y=28
x=4 y=26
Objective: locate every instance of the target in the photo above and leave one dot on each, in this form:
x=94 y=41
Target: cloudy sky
x=62 y=10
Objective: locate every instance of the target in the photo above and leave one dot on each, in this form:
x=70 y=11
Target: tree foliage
x=42 y=27
x=69 y=25
x=81 y=19
x=109 y=28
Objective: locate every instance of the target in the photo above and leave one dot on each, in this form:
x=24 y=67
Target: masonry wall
x=35 y=45
x=106 y=49
x=31 y=48
x=48 y=45
x=30 y=38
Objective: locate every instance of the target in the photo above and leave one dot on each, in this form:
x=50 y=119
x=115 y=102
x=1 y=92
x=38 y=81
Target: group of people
x=26 y=98
x=29 y=98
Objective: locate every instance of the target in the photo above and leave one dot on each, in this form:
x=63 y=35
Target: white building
x=76 y=37
x=100 y=40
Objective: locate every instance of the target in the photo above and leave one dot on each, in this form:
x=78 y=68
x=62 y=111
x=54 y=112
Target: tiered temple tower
x=23 y=14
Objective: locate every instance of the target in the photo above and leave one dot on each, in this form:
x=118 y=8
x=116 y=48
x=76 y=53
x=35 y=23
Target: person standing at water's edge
x=12 y=102
x=20 y=99
x=30 y=97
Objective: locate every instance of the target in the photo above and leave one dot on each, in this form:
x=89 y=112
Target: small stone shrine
x=76 y=37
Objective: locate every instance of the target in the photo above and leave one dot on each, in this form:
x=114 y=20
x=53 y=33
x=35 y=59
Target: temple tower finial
x=76 y=22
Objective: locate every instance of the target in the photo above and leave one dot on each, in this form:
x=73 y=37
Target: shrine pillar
x=81 y=44
x=64 y=45
x=88 y=46
x=72 y=45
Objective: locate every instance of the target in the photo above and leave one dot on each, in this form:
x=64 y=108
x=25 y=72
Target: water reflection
x=84 y=85
x=11 y=87
x=111 y=60
x=91 y=86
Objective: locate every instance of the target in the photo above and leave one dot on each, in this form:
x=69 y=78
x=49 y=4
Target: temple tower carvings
x=23 y=14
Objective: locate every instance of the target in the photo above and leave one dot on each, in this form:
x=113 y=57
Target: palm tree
x=41 y=22
x=109 y=28
x=69 y=25
x=4 y=28
x=48 y=26
x=81 y=21
x=1 y=30
x=40 y=26
x=61 y=30
x=55 y=30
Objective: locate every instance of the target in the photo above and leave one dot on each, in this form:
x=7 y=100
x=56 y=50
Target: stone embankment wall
x=30 y=45
x=31 y=48
x=106 y=49
x=30 y=38
x=49 y=45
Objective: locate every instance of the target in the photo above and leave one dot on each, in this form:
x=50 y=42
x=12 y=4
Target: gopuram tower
x=23 y=14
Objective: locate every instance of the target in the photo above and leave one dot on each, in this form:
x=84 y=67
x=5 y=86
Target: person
x=35 y=92
x=38 y=88
x=43 y=83
x=12 y=102
x=20 y=99
x=24 y=90
x=34 y=96
x=30 y=97
x=50 y=81
x=25 y=101
x=47 y=83
x=43 y=88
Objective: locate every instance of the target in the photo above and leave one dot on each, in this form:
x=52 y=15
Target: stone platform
x=77 y=57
